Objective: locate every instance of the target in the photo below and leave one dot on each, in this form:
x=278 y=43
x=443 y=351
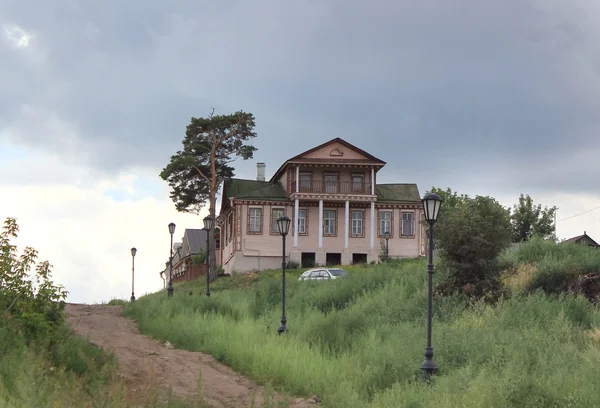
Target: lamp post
x=386 y=235
x=283 y=226
x=170 y=288
x=208 y=224
x=133 y=252
x=431 y=207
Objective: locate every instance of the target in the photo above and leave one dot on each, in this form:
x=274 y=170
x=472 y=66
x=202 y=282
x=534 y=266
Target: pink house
x=339 y=213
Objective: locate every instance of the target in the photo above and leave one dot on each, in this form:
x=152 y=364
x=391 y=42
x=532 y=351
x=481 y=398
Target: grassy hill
x=359 y=341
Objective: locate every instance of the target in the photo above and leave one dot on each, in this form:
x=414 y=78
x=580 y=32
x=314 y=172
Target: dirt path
x=146 y=364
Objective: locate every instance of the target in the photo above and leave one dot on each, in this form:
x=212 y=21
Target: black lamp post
x=386 y=235
x=431 y=206
x=170 y=288
x=283 y=226
x=133 y=252
x=208 y=224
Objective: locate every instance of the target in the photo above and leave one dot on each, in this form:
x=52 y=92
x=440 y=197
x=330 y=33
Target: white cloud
x=87 y=236
x=17 y=37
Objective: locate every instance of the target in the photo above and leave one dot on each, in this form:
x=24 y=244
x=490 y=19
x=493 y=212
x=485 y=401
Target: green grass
x=73 y=373
x=359 y=341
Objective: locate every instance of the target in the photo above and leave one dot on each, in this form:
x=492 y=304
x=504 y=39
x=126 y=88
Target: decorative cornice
x=333 y=197
x=402 y=206
x=283 y=202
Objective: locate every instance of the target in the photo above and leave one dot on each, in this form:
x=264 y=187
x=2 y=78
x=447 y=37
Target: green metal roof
x=397 y=192
x=252 y=189
x=240 y=188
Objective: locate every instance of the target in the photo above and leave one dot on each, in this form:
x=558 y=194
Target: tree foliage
x=197 y=171
x=528 y=219
x=469 y=235
x=30 y=303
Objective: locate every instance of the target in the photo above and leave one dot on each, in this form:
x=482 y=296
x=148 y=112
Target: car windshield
x=338 y=272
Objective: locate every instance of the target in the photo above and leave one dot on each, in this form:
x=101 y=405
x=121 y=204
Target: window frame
x=335 y=226
x=305 y=209
x=391 y=222
x=274 y=219
x=353 y=234
x=337 y=182
x=361 y=189
x=412 y=224
x=261 y=212
x=305 y=189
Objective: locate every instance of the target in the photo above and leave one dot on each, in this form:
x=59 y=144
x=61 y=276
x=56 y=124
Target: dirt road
x=146 y=364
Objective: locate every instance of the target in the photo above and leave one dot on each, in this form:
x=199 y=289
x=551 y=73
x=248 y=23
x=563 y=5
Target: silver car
x=323 y=274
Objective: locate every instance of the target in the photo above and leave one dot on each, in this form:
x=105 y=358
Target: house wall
x=399 y=246
x=332 y=151
x=318 y=174
x=264 y=250
x=228 y=239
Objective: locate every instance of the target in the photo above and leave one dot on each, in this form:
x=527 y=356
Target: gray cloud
x=463 y=92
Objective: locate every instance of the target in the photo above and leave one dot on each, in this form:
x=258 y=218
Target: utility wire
x=577 y=215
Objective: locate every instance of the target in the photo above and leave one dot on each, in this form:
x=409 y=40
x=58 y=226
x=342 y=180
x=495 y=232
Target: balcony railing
x=332 y=187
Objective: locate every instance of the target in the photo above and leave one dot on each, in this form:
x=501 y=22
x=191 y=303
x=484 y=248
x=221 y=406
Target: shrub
x=551 y=267
x=200 y=257
x=470 y=235
x=31 y=305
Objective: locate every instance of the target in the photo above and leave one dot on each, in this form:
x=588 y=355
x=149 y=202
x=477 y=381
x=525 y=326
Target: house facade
x=339 y=213
x=584 y=239
x=192 y=242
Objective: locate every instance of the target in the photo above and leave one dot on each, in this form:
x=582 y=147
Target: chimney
x=260 y=171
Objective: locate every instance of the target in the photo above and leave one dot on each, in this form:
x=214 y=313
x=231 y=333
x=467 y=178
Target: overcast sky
x=485 y=97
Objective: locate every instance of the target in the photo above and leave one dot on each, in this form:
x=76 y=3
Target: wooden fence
x=192 y=272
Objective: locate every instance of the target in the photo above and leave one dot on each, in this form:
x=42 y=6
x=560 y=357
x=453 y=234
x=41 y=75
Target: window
x=302 y=221
x=408 y=229
x=358 y=182
x=331 y=183
x=218 y=238
x=255 y=221
x=305 y=181
x=356 y=222
x=385 y=222
x=329 y=222
x=275 y=214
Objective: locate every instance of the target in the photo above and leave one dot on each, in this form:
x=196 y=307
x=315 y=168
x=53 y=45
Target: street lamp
x=386 y=235
x=170 y=288
x=208 y=224
x=283 y=226
x=431 y=207
x=133 y=252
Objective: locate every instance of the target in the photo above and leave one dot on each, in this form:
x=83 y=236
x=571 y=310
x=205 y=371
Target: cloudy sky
x=486 y=97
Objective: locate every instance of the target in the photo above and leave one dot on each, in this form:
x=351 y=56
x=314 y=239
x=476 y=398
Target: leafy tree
x=470 y=235
x=32 y=305
x=197 y=171
x=528 y=219
x=200 y=257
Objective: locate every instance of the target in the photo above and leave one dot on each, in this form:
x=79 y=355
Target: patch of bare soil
x=147 y=365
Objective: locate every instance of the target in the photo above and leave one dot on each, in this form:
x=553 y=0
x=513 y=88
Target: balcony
x=332 y=187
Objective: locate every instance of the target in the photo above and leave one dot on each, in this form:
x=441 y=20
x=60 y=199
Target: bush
x=200 y=257
x=552 y=267
x=31 y=305
x=470 y=235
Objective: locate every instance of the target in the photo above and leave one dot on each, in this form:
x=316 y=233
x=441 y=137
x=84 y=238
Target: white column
x=297 y=179
x=296 y=222
x=372 y=181
x=347 y=216
x=320 y=223
x=372 y=224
